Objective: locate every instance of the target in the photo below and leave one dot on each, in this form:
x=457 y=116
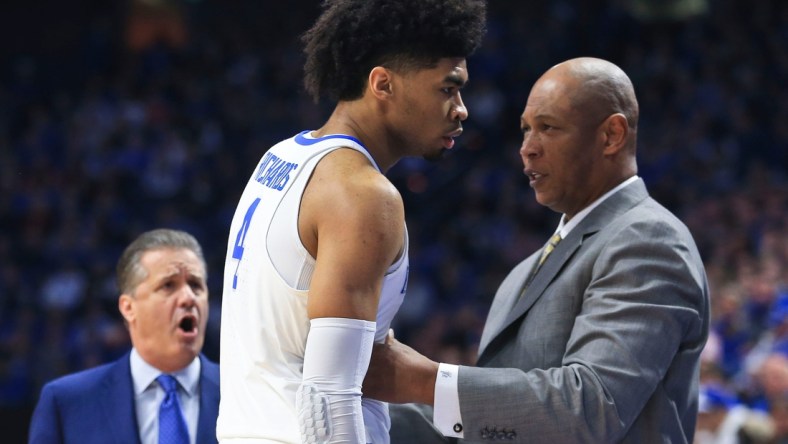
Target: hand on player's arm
x=399 y=374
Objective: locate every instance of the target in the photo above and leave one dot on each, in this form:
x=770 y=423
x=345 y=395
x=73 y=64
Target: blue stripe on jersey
x=302 y=140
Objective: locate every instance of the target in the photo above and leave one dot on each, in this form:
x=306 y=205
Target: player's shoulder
x=350 y=173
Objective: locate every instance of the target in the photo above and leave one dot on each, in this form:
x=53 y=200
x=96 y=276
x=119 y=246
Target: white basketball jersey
x=267 y=274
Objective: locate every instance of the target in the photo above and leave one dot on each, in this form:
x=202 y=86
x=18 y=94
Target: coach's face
x=563 y=147
x=168 y=311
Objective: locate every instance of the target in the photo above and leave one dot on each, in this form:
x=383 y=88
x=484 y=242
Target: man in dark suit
x=164 y=302
x=597 y=337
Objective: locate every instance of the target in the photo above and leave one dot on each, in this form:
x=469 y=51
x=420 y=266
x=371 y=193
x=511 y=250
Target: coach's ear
x=127 y=308
x=614 y=131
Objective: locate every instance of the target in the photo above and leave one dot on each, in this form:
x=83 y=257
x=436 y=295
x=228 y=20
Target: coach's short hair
x=129 y=270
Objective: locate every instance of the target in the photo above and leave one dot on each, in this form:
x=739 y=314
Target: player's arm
x=352 y=221
x=357 y=223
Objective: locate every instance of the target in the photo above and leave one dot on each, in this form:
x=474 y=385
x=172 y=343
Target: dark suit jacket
x=603 y=346
x=97 y=406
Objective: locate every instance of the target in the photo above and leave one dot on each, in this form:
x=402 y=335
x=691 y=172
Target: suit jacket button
x=457 y=428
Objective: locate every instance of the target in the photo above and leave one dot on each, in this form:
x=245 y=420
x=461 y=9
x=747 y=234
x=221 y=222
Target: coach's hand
x=400 y=374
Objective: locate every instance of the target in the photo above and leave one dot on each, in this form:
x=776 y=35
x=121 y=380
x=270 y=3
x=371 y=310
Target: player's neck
x=355 y=120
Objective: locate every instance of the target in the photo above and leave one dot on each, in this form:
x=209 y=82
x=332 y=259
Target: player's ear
x=380 y=82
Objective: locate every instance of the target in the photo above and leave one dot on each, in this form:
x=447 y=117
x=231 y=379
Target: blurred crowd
x=156 y=112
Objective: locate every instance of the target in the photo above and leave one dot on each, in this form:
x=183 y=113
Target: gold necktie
x=548 y=249
x=545 y=252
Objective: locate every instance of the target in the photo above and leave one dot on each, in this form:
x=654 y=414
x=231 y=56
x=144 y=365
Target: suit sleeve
x=642 y=303
x=412 y=423
x=45 y=427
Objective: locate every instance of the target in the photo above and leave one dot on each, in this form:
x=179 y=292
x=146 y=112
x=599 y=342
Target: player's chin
x=435 y=156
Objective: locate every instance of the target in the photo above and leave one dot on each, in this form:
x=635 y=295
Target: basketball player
x=317 y=260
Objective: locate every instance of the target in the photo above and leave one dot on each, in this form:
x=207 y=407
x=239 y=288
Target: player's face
x=168 y=311
x=561 y=148
x=430 y=109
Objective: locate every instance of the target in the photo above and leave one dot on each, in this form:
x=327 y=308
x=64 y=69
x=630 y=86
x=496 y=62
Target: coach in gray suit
x=601 y=342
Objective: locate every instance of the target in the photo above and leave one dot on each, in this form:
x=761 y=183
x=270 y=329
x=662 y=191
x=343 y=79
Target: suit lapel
x=209 y=402
x=563 y=251
x=508 y=295
x=117 y=402
x=504 y=299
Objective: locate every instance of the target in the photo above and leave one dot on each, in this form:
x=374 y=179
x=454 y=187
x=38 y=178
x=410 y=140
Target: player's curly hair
x=353 y=36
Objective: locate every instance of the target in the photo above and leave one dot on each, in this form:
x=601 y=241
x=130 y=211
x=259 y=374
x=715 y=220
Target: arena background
x=121 y=116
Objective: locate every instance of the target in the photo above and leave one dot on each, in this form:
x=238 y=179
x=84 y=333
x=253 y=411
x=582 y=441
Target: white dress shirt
x=148 y=396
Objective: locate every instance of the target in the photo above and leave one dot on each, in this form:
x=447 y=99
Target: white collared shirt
x=446 y=413
x=148 y=396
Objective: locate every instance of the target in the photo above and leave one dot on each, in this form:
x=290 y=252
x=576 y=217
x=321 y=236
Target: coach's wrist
x=426 y=384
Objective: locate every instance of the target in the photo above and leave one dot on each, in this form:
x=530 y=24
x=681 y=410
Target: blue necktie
x=172 y=426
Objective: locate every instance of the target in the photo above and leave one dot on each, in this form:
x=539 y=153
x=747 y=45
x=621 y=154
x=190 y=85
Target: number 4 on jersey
x=238 y=249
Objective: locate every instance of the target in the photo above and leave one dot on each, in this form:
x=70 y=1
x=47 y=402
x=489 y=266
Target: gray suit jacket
x=603 y=347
